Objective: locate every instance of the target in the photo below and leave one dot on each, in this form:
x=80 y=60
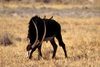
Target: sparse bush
x=5 y=40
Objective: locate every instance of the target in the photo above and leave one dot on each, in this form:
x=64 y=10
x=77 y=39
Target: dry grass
x=39 y=5
x=81 y=36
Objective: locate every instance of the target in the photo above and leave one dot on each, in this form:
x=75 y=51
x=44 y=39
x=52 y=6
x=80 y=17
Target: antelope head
x=31 y=46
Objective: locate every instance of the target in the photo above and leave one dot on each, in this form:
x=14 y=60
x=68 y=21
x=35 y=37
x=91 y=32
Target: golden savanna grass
x=81 y=36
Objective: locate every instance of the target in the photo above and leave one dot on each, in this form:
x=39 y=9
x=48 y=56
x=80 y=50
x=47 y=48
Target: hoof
x=30 y=57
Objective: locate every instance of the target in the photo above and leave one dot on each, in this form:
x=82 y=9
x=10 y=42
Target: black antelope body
x=43 y=30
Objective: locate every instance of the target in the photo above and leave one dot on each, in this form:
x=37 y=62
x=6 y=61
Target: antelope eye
x=28 y=48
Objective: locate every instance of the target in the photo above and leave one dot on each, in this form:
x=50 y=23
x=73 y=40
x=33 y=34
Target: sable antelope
x=43 y=30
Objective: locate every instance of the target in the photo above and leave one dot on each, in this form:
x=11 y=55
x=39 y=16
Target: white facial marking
x=28 y=53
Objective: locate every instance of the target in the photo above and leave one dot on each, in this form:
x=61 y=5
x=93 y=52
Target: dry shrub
x=5 y=39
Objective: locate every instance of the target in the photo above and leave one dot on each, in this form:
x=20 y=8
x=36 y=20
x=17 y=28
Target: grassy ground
x=81 y=36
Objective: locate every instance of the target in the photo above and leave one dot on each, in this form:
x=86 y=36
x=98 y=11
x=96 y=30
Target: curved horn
x=36 y=34
x=44 y=32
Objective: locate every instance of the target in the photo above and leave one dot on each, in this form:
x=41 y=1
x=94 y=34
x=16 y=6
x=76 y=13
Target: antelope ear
x=51 y=17
x=44 y=17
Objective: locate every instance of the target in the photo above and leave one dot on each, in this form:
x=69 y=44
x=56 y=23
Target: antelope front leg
x=39 y=51
x=33 y=49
